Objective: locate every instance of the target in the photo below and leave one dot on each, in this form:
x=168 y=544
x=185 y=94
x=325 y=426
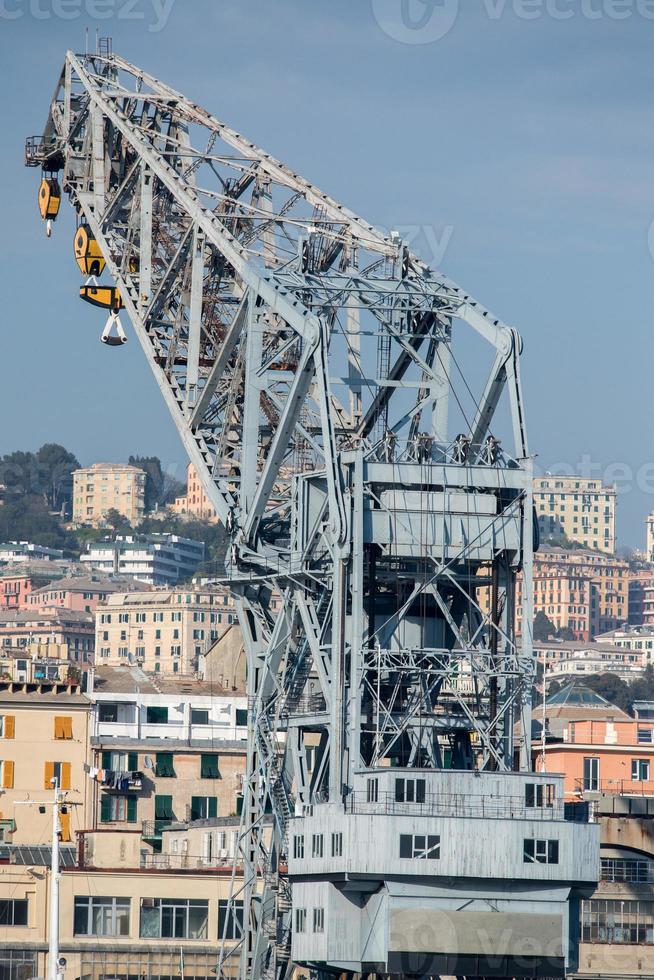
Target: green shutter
x=196 y=807
x=105 y=808
x=213 y=806
x=133 y=761
x=106 y=760
x=242 y=716
x=131 y=809
x=209 y=766
x=163 y=808
x=164 y=764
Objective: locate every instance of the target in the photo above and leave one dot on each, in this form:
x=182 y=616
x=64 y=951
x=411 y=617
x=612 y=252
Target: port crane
x=318 y=374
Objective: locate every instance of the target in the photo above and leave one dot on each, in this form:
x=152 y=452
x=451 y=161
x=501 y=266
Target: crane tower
x=375 y=481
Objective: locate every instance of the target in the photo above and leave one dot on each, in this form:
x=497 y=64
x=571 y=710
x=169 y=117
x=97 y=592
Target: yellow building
x=163 y=631
x=103 y=487
x=116 y=919
x=195 y=502
x=44 y=733
x=578 y=509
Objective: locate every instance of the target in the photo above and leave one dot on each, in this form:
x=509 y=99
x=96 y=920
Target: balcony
x=151 y=829
x=616 y=787
x=131 y=781
x=466 y=805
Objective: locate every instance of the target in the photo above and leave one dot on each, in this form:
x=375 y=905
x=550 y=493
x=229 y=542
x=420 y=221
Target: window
x=63 y=727
x=409 y=790
x=298 y=846
x=635 y=870
x=540 y=794
x=59 y=771
x=140 y=617
x=156 y=715
x=164 y=765
x=8 y=722
x=591 y=775
x=117 y=809
x=372 y=791
x=174 y=918
x=317 y=845
x=204 y=807
x=300 y=920
x=199 y=716
x=640 y=770
x=7 y=775
x=337 y=845
x=541 y=851
x=230 y=925
x=427 y=846
x=617 y=921
x=318 y=920
x=163 y=808
x=242 y=717
x=13 y=912
x=107 y=712
x=209 y=766
x=98 y=916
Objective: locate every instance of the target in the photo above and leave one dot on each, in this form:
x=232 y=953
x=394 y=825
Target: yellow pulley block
x=87 y=252
x=107 y=297
x=49 y=198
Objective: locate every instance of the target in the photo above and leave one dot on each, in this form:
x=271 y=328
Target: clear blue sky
x=526 y=145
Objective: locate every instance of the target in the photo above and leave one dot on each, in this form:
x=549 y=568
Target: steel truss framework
x=308 y=361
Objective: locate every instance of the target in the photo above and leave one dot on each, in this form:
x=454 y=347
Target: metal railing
x=618 y=787
x=463 y=805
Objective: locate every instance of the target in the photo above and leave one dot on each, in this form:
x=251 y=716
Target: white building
x=20 y=552
x=159 y=559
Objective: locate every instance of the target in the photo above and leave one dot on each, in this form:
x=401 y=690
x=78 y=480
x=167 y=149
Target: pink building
x=82 y=593
x=598 y=747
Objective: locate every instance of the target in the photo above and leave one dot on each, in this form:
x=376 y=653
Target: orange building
x=597 y=746
x=195 y=502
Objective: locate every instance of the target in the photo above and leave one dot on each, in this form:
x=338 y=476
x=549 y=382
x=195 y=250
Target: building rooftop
x=579 y=696
x=42 y=693
x=133 y=680
x=91 y=583
x=109 y=467
x=51 y=616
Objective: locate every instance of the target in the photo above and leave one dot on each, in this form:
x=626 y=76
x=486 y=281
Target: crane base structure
x=349 y=411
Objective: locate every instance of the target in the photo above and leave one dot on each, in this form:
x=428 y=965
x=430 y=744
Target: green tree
x=55 y=467
x=25 y=517
x=544 y=628
x=117 y=521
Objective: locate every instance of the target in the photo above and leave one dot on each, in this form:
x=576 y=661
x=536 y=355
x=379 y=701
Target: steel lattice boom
x=314 y=368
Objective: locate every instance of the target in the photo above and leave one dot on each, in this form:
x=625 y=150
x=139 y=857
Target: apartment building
x=578 y=509
x=44 y=733
x=164 y=632
x=559 y=591
x=47 y=627
x=116 y=919
x=565 y=660
x=641 y=597
x=157 y=559
x=22 y=552
x=607 y=760
x=102 y=487
x=164 y=751
x=638 y=640
x=194 y=503
x=602 y=755
x=81 y=592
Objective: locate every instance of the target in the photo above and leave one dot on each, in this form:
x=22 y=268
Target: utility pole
x=56 y=964
x=53 y=948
